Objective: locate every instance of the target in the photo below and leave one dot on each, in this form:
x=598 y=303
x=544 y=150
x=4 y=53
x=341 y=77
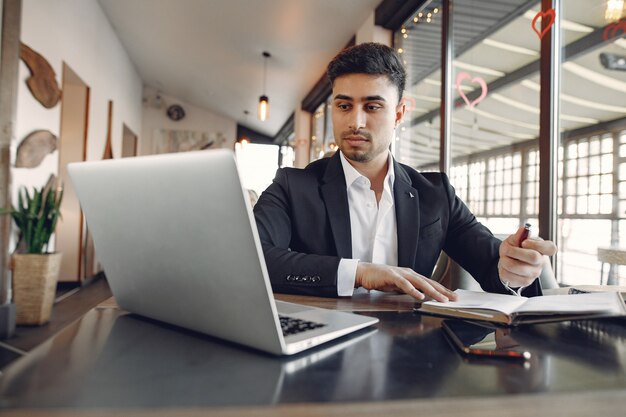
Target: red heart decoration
x=483 y=86
x=409 y=102
x=549 y=14
x=613 y=30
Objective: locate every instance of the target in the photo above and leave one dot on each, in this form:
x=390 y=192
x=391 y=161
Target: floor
x=71 y=303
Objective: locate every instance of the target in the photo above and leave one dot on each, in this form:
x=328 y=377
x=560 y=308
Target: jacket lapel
x=336 y=200
x=406 y=200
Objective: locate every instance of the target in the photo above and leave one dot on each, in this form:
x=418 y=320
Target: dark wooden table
x=111 y=363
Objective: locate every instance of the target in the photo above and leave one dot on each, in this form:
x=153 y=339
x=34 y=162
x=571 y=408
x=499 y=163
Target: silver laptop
x=178 y=243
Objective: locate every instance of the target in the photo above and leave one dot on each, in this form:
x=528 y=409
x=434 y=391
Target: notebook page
x=600 y=302
x=483 y=301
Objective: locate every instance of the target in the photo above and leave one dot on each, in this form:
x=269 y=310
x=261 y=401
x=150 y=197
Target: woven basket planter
x=34 y=286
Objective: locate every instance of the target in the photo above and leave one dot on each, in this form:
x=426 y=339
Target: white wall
x=197 y=119
x=1 y=8
x=76 y=32
x=369 y=32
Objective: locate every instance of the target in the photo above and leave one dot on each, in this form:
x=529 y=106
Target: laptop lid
x=178 y=242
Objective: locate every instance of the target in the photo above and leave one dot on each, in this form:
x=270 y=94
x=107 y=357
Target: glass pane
x=495 y=120
x=317 y=132
x=419 y=43
x=592 y=115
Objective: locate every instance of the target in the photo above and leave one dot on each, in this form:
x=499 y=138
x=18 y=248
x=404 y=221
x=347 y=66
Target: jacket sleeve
x=290 y=271
x=474 y=247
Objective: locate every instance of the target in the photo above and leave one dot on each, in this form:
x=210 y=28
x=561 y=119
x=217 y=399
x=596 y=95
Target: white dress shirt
x=372 y=225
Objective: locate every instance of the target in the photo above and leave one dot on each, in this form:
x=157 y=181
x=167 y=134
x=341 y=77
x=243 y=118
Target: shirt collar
x=352 y=174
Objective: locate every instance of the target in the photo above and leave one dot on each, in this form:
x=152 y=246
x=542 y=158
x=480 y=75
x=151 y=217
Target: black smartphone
x=484 y=340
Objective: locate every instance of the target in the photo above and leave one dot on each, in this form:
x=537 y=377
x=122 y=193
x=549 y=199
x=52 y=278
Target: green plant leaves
x=36 y=216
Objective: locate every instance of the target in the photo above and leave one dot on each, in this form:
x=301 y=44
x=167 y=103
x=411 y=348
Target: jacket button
x=316 y=278
x=306 y=278
x=289 y=277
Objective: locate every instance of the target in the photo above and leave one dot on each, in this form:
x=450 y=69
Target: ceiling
x=209 y=52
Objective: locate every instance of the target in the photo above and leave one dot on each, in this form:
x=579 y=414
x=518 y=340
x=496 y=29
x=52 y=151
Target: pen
x=525 y=233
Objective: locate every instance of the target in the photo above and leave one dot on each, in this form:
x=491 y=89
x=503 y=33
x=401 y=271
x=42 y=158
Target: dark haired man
x=361 y=219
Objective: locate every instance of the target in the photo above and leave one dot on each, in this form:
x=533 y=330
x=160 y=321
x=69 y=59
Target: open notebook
x=511 y=310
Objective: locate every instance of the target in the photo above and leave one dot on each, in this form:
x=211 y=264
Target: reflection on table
x=111 y=359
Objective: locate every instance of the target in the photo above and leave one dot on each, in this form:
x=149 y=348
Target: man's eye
x=373 y=107
x=343 y=106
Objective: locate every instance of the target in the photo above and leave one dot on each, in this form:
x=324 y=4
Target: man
x=361 y=219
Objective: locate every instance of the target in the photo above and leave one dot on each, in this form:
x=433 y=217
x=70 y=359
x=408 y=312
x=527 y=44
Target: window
x=495 y=120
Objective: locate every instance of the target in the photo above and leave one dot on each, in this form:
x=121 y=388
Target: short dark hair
x=369 y=58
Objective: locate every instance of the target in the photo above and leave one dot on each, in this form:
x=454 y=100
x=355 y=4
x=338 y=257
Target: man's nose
x=358 y=119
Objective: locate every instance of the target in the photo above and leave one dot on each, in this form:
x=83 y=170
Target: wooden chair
x=453 y=276
x=611 y=256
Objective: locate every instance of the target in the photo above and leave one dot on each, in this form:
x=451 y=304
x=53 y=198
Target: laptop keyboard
x=292 y=325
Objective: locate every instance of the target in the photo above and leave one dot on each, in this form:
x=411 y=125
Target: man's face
x=365 y=114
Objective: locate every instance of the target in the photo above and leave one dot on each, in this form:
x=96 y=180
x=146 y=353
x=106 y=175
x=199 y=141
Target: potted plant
x=35 y=270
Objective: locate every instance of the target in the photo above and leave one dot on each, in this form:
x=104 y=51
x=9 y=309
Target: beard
x=365 y=154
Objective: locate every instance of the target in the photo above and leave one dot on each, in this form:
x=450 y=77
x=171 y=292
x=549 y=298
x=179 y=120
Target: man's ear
x=400 y=110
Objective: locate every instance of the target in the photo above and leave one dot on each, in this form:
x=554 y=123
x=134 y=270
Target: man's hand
x=520 y=266
x=393 y=278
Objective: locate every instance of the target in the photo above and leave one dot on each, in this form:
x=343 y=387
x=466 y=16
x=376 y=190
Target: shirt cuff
x=346 y=277
x=512 y=291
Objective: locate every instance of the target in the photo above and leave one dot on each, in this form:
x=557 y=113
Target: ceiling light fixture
x=244 y=139
x=264 y=101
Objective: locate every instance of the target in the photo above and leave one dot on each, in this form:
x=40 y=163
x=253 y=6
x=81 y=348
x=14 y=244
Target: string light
x=614 y=10
x=428 y=16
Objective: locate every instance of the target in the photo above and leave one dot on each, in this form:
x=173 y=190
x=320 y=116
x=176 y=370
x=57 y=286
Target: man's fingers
x=407 y=287
x=387 y=278
x=514 y=239
x=517 y=273
x=525 y=255
x=545 y=247
x=426 y=288
x=442 y=289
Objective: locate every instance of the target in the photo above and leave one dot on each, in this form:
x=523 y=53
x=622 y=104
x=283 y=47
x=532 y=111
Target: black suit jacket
x=303 y=220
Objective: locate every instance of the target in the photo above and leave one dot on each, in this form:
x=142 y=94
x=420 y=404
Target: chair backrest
x=454 y=276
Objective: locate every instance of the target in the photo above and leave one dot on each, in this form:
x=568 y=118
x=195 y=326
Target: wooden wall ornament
x=108 y=147
x=42 y=82
x=175 y=112
x=34 y=148
x=549 y=14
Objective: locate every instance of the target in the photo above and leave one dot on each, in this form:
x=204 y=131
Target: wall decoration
x=462 y=76
x=175 y=112
x=614 y=30
x=108 y=147
x=42 y=82
x=34 y=148
x=547 y=14
x=409 y=102
x=166 y=140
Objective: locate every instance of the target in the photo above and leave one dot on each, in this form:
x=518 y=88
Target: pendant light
x=264 y=101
